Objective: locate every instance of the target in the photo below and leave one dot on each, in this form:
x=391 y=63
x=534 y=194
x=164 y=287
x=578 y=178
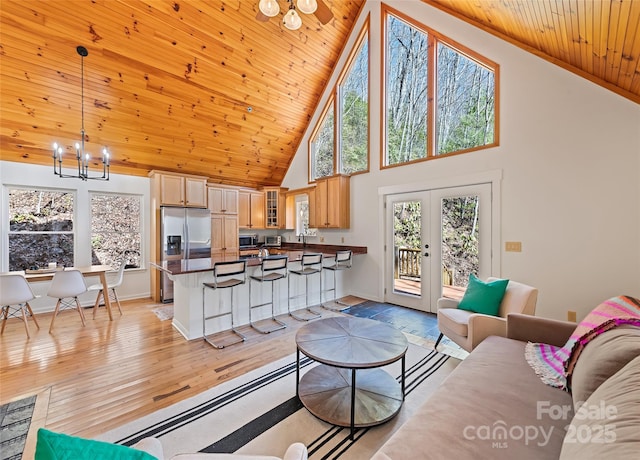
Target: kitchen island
x=188 y=275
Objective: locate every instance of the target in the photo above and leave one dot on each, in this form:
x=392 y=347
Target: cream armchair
x=152 y=446
x=468 y=329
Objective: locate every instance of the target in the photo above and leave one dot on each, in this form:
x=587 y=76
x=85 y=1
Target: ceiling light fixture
x=269 y=7
x=291 y=19
x=81 y=156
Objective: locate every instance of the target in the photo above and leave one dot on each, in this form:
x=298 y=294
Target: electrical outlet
x=342 y=239
x=571 y=316
x=322 y=239
x=513 y=246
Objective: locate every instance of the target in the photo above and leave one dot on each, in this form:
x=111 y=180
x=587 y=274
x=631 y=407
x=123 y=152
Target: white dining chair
x=15 y=294
x=111 y=288
x=66 y=286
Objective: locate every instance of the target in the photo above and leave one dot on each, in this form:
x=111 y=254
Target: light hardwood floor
x=92 y=379
x=95 y=378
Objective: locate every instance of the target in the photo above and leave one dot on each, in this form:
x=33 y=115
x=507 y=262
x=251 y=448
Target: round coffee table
x=344 y=345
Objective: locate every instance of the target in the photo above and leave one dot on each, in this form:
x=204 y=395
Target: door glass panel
x=407 y=230
x=460 y=243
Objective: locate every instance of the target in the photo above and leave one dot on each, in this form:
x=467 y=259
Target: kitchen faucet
x=304 y=239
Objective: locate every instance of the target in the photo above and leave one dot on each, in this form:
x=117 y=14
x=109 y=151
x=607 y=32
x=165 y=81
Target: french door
x=434 y=240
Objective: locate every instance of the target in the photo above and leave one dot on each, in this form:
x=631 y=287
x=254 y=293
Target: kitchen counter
x=293 y=250
x=189 y=275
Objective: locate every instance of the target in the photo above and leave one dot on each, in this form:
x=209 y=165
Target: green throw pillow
x=58 y=446
x=483 y=297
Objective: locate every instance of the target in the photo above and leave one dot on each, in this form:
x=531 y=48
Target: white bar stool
x=67 y=284
x=15 y=294
x=342 y=262
x=272 y=269
x=225 y=276
x=310 y=264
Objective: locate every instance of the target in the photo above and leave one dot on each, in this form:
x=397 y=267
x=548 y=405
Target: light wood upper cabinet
x=179 y=190
x=222 y=200
x=172 y=190
x=196 y=192
x=251 y=209
x=275 y=207
x=224 y=236
x=332 y=203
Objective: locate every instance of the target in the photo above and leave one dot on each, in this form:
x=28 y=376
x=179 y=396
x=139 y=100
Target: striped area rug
x=258 y=413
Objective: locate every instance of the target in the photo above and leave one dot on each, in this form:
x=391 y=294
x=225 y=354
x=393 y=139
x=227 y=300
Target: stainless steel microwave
x=248 y=241
x=273 y=241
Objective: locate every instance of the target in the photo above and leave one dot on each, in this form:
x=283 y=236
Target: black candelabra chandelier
x=82 y=156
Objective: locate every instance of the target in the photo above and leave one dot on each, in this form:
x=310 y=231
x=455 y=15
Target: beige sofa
x=494 y=406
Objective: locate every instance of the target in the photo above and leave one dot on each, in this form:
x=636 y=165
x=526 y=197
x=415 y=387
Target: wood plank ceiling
x=191 y=86
x=201 y=87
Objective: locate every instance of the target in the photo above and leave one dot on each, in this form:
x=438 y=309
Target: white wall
x=136 y=282
x=569 y=156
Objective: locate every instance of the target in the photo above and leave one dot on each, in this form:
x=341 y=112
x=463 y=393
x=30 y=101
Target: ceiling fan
x=291 y=19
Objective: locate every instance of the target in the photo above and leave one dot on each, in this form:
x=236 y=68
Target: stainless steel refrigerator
x=185 y=234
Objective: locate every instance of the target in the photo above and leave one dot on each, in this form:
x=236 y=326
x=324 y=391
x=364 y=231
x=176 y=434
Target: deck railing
x=408 y=263
x=408 y=266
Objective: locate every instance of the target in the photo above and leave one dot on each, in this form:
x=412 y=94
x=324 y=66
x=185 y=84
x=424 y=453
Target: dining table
x=46 y=274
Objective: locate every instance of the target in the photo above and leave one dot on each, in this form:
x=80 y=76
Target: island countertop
x=293 y=250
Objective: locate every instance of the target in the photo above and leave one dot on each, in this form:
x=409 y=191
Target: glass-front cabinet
x=275 y=204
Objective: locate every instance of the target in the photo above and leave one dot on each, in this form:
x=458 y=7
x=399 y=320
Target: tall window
x=465 y=113
x=439 y=97
x=322 y=145
x=115 y=228
x=40 y=228
x=340 y=141
x=353 y=103
x=406 y=92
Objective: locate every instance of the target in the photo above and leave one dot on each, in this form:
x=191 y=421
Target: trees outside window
x=40 y=228
x=322 y=145
x=353 y=96
x=340 y=141
x=406 y=92
x=466 y=102
x=115 y=228
x=439 y=96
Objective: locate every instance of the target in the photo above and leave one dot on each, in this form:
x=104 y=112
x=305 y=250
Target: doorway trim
x=493 y=177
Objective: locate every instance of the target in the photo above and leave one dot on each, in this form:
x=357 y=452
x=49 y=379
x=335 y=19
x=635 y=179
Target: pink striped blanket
x=555 y=365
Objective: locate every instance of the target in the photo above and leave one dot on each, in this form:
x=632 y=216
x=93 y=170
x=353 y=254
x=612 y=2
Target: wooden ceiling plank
x=597 y=46
x=585 y=14
x=573 y=28
x=550 y=25
x=562 y=25
x=538 y=18
x=631 y=49
x=524 y=15
x=612 y=65
x=627 y=44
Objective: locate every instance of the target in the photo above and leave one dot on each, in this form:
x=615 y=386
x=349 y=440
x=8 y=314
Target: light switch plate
x=513 y=246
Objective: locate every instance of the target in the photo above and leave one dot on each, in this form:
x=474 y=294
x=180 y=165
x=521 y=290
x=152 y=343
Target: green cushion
x=483 y=297
x=58 y=446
